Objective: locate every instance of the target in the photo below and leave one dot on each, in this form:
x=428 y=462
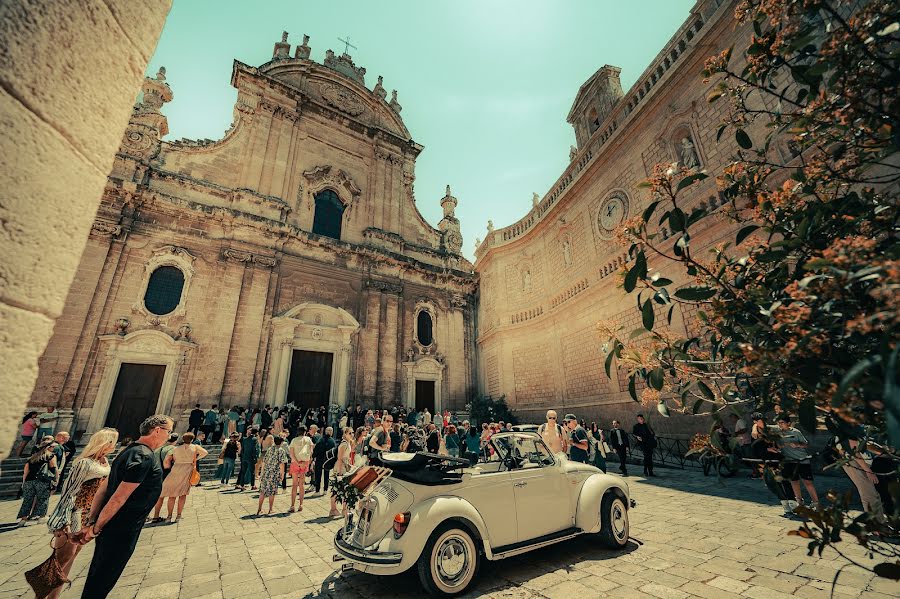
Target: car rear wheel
x=449 y=562
x=613 y=522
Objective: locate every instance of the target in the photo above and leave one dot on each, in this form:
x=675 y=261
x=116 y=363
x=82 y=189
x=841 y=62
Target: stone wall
x=567 y=240
x=70 y=71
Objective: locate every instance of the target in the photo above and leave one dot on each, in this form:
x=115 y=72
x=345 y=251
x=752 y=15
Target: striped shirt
x=66 y=514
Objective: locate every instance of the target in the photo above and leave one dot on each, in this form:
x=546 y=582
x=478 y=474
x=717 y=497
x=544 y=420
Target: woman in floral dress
x=274 y=461
x=86 y=478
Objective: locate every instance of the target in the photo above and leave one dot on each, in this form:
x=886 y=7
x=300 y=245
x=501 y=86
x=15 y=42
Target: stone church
x=288 y=261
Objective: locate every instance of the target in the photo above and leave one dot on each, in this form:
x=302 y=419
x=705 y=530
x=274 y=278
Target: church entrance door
x=425 y=396
x=309 y=385
x=135 y=397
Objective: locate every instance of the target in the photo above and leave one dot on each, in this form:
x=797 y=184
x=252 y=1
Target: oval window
x=164 y=290
x=423 y=328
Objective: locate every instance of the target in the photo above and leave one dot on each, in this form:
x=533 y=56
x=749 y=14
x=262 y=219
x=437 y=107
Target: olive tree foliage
x=799 y=310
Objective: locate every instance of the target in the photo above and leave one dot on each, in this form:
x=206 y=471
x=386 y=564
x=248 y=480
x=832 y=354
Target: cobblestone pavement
x=692 y=537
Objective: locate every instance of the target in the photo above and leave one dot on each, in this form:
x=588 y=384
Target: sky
x=485 y=85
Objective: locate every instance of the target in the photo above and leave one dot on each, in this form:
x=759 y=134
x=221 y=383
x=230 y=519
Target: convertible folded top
x=424 y=468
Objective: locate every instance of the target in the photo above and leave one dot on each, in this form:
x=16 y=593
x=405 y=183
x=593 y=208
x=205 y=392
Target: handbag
x=46 y=576
x=195 y=475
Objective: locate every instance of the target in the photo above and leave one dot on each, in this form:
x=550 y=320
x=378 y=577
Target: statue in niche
x=410 y=355
x=526 y=280
x=688 y=153
x=567 y=252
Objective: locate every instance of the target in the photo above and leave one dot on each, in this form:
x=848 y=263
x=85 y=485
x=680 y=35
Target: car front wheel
x=614 y=522
x=449 y=562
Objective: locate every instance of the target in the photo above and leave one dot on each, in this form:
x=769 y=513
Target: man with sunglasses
x=552 y=433
x=121 y=506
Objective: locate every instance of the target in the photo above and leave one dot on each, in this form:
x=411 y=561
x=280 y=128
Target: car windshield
x=519 y=450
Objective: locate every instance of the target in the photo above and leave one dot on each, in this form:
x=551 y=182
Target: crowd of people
x=311 y=446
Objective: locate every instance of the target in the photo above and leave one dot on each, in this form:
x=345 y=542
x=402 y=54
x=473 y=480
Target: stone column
x=284 y=371
x=70 y=114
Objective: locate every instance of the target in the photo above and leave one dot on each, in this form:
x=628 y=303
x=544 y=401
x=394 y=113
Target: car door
x=541 y=490
x=492 y=495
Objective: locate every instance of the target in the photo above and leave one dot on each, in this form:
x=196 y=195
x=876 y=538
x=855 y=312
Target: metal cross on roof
x=347 y=45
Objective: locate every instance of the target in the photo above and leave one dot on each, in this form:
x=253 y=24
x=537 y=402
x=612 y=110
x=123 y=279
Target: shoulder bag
x=195 y=475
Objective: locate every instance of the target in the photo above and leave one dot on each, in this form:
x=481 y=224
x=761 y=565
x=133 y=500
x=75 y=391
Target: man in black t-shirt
x=133 y=486
x=195 y=420
x=433 y=441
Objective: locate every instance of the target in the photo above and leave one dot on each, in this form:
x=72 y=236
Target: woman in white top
x=86 y=479
x=342 y=467
x=300 y=449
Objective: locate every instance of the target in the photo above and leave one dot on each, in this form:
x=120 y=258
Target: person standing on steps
x=646 y=439
x=618 y=440
x=117 y=516
x=195 y=420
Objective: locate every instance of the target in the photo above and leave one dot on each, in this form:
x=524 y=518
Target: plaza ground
x=692 y=537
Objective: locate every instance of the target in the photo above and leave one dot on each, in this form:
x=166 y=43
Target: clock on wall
x=611 y=214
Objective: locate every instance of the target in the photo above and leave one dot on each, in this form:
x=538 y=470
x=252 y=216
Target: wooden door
x=425 y=396
x=135 y=397
x=309 y=385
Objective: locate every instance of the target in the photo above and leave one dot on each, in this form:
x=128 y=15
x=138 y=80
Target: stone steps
x=11 y=470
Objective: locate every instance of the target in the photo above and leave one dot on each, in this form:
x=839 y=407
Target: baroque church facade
x=287 y=261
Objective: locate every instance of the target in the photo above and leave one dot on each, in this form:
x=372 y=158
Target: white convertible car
x=442 y=516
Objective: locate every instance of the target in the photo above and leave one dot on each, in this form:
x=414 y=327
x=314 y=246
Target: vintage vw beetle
x=440 y=515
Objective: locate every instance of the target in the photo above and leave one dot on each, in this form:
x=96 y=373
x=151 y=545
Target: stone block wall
x=69 y=73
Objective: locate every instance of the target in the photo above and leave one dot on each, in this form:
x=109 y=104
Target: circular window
x=164 y=290
x=423 y=328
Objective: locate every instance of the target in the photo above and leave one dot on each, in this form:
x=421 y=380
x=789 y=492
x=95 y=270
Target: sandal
x=292 y=510
x=156 y=520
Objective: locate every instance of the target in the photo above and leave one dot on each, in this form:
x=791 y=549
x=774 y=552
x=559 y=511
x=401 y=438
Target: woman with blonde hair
x=87 y=478
x=182 y=461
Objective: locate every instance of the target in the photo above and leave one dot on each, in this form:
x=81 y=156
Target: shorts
x=298 y=468
x=796 y=470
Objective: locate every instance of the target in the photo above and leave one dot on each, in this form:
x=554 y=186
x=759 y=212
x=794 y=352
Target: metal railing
x=668 y=452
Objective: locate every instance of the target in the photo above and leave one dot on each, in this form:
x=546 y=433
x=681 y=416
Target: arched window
x=164 y=290
x=329 y=214
x=424 y=328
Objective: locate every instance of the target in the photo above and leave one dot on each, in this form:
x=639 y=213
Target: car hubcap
x=451 y=560
x=619 y=519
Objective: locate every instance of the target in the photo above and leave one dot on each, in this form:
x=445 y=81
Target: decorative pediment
x=321 y=177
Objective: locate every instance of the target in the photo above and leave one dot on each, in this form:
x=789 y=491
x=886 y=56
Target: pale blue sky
x=485 y=85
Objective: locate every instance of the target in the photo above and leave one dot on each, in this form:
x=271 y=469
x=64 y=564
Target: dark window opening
x=329 y=214
x=423 y=328
x=164 y=290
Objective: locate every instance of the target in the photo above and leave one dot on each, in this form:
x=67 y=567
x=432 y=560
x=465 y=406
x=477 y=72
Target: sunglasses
x=551 y=417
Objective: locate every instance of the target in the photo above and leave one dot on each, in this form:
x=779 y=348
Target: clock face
x=612 y=213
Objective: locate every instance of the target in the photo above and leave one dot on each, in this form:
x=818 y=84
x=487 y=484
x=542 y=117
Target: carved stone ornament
x=410 y=355
x=317 y=333
x=342 y=99
x=122 y=326
x=265 y=260
x=385 y=287
x=106 y=229
x=458 y=300
x=328 y=176
x=140 y=141
x=237 y=255
x=184 y=332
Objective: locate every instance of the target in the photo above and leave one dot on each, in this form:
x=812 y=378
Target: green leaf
x=743 y=139
x=854 y=373
x=743 y=233
x=676 y=219
x=631 y=390
x=656 y=378
x=706 y=391
x=647 y=315
x=807 y=414
x=661 y=282
x=690 y=180
x=669 y=317
x=695 y=294
x=608 y=364
x=721 y=130
x=630 y=280
x=648 y=212
x=697 y=405
x=638 y=271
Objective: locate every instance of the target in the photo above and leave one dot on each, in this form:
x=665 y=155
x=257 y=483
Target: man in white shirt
x=552 y=433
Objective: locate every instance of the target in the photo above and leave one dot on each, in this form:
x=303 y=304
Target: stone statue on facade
x=567 y=252
x=490 y=226
x=573 y=151
x=303 y=51
x=526 y=280
x=688 y=153
x=394 y=104
x=535 y=200
x=379 y=90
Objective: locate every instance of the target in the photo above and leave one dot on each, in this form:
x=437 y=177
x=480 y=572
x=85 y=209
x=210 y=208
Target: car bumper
x=366 y=560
